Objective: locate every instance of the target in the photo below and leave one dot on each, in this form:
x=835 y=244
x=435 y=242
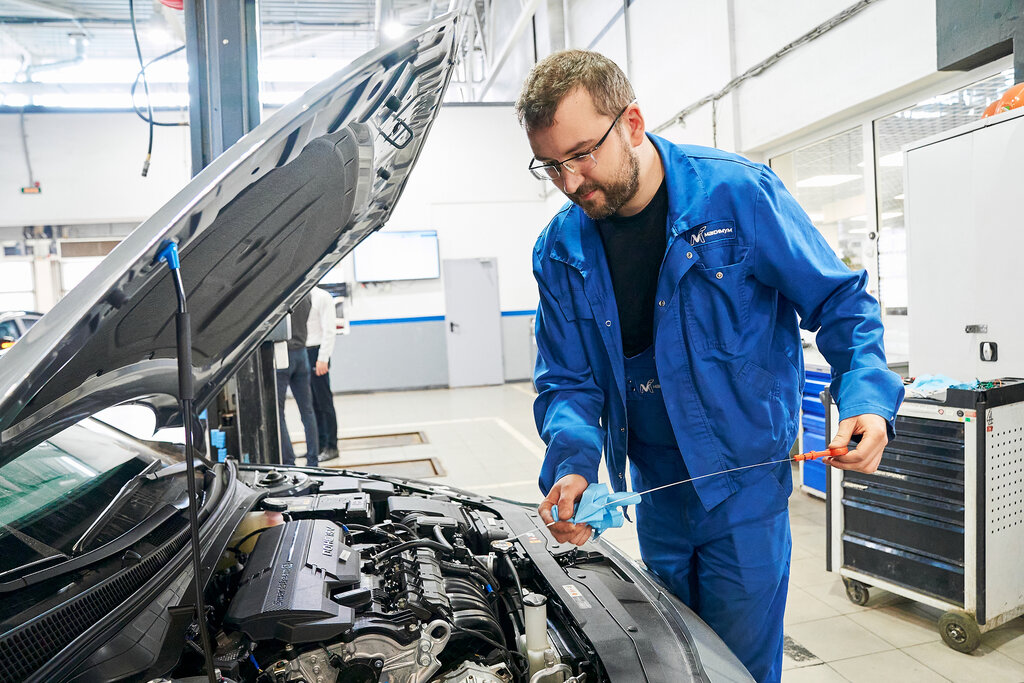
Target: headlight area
x=354 y=580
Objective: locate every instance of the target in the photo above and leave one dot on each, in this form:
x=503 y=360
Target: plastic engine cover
x=288 y=579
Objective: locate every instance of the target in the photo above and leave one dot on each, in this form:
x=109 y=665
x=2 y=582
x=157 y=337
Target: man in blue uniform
x=671 y=289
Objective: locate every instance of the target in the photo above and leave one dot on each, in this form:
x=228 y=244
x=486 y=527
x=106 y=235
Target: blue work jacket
x=743 y=269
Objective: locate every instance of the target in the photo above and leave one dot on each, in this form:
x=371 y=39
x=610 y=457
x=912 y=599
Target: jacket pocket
x=717 y=303
x=720 y=255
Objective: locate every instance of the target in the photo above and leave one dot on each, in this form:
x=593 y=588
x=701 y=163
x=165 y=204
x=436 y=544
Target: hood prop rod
x=168 y=253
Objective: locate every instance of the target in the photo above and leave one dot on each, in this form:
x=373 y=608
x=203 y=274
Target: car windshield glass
x=51 y=494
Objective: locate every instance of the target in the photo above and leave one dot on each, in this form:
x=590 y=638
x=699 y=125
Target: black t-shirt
x=634 y=247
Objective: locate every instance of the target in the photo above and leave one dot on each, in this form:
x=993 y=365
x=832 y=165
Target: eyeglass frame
x=536 y=171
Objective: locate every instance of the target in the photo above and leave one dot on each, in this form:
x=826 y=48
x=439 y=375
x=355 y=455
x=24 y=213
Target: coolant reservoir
x=535 y=644
x=250 y=523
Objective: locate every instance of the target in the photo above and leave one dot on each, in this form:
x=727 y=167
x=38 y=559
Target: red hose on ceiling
x=173 y=4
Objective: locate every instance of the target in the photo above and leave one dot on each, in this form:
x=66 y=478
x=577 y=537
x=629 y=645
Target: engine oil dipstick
x=596 y=498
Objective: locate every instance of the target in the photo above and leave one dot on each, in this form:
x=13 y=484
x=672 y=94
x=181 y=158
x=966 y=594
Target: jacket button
x=622 y=429
x=607 y=323
x=689 y=254
x=661 y=303
x=620 y=475
x=719 y=275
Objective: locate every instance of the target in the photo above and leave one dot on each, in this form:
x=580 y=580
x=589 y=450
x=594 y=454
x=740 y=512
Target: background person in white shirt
x=320 y=331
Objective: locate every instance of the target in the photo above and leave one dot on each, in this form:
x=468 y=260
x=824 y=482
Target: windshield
x=52 y=493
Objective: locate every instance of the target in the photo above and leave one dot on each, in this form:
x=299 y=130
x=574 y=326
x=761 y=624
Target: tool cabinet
x=942 y=520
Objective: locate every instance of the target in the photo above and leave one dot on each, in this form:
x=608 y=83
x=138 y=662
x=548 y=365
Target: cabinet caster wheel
x=960 y=631
x=856 y=591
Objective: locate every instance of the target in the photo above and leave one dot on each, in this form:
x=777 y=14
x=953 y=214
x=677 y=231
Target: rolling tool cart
x=942 y=520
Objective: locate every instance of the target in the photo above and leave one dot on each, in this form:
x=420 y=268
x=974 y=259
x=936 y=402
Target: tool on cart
x=593 y=508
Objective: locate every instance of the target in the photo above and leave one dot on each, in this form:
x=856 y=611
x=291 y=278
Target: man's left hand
x=321 y=368
x=868 y=454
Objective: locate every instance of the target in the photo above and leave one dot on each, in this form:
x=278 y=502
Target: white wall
x=472 y=186
x=88 y=165
x=682 y=51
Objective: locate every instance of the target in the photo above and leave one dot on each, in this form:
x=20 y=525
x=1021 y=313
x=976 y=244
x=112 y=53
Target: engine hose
x=439 y=535
x=515 y=577
x=490 y=577
x=402 y=547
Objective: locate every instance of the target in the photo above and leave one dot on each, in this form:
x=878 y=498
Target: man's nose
x=571 y=181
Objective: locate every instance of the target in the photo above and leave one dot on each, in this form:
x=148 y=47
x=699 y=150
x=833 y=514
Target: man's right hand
x=564 y=494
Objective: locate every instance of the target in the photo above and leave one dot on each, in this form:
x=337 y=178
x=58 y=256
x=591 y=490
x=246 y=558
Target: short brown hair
x=555 y=76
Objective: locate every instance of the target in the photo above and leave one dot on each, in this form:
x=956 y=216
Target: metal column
x=222 y=46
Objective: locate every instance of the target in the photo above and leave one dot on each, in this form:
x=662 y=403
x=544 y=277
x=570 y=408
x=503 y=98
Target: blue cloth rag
x=599 y=508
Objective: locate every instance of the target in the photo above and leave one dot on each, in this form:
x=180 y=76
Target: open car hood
x=256 y=230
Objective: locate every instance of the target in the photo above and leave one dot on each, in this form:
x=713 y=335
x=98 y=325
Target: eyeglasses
x=577 y=164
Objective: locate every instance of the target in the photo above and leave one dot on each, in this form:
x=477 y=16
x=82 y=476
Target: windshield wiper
x=129 y=489
x=138 y=532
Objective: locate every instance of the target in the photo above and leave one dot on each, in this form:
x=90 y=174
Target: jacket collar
x=576 y=238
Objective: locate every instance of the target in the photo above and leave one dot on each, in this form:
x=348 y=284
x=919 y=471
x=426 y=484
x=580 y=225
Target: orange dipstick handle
x=813 y=455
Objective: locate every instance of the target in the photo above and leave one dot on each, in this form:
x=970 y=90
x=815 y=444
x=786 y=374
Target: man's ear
x=635 y=126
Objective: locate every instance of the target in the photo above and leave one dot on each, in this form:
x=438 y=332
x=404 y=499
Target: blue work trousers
x=297 y=376
x=729 y=564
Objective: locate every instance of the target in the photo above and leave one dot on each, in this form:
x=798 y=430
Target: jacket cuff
x=888 y=415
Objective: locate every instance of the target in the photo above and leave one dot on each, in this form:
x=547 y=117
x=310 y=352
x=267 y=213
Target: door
x=473 y=322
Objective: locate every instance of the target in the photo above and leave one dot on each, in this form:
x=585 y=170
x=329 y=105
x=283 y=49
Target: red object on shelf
x=173 y=4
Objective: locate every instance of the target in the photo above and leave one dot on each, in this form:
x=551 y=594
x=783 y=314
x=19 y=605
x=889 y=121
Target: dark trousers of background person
x=296 y=376
x=323 y=404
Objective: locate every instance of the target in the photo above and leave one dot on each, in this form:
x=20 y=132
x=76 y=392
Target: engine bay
x=342 y=579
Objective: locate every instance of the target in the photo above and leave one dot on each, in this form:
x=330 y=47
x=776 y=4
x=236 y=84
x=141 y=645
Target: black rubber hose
x=515 y=577
x=439 y=535
x=402 y=547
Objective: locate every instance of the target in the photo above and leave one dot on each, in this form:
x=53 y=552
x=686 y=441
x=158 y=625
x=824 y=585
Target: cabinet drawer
x=942 y=509
x=927 y=537
x=904 y=568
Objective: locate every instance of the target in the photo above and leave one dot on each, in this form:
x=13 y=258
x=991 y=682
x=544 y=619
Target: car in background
x=14 y=324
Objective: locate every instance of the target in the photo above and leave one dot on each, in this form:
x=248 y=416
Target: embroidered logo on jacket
x=703 y=234
x=648 y=387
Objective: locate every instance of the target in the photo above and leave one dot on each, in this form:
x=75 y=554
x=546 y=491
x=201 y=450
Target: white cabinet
x=966 y=249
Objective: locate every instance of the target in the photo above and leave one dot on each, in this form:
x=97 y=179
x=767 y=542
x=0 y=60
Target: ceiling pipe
x=78 y=40
x=524 y=20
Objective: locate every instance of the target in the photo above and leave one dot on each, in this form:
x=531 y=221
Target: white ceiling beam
x=525 y=17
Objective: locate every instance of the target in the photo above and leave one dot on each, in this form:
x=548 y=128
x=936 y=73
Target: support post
x=222 y=46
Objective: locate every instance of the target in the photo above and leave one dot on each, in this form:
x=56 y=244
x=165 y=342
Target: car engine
x=352 y=580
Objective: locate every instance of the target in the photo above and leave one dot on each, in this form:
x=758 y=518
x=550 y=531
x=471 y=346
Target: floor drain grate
x=357 y=443
x=418 y=468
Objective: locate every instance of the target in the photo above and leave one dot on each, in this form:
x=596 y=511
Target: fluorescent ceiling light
x=899 y=196
x=826 y=180
x=816 y=217
x=891 y=214
x=858 y=219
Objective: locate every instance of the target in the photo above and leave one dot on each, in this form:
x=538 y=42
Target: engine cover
x=285 y=591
